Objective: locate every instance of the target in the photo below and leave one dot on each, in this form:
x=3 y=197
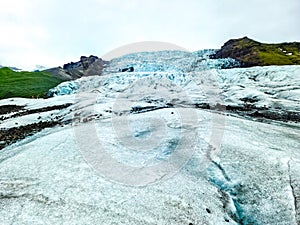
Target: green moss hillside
x=254 y=53
x=25 y=84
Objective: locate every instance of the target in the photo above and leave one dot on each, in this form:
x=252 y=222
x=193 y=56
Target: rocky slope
x=87 y=66
x=253 y=53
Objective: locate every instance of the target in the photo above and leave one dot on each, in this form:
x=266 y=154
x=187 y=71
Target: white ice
x=227 y=170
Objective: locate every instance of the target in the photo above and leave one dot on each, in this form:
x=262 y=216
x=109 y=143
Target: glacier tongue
x=261 y=92
x=156 y=146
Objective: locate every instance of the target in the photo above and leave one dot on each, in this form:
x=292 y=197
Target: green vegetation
x=25 y=84
x=279 y=54
x=253 y=53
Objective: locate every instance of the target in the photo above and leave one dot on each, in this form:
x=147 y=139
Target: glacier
x=179 y=140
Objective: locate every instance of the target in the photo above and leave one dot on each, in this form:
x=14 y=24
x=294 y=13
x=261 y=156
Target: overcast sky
x=54 y=32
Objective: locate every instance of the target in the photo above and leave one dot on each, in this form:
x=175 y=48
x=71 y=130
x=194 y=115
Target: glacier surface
x=177 y=141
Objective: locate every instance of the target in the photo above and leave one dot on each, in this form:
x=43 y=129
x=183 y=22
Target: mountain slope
x=254 y=53
x=36 y=84
x=25 y=84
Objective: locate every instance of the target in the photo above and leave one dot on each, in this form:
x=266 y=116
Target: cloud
x=53 y=32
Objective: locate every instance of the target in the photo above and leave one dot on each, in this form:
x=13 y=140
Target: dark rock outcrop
x=87 y=66
x=128 y=69
x=87 y=61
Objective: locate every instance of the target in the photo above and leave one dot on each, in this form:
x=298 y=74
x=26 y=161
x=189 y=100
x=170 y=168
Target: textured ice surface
x=272 y=87
x=139 y=119
x=47 y=180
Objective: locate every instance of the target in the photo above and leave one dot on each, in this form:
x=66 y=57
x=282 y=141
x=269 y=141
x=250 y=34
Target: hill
x=25 y=84
x=253 y=53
